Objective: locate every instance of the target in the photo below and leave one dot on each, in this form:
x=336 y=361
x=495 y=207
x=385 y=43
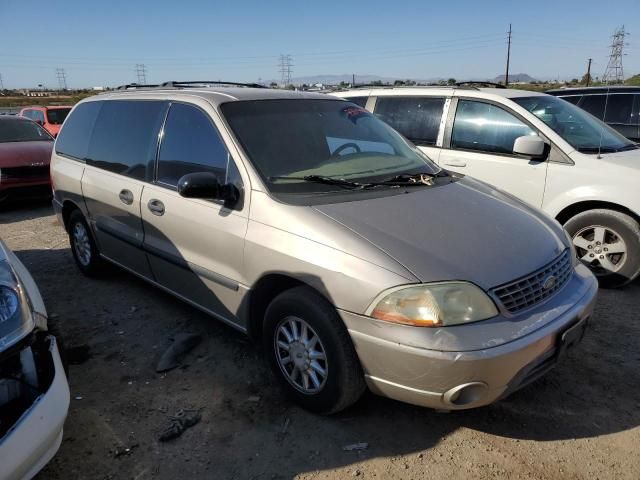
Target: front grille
x=18 y=173
x=530 y=290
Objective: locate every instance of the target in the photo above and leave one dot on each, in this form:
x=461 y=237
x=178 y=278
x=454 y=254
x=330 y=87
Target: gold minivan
x=314 y=227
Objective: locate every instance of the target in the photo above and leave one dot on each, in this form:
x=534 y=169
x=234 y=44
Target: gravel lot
x=580 y=421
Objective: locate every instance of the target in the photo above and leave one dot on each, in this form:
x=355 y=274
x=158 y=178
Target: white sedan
x=34 y=393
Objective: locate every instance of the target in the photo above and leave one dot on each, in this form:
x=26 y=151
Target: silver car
x=322 y=233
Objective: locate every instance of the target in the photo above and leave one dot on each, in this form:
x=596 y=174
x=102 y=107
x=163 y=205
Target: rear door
x=480 y=144
x=120 y=157
x=195 y=247
x=419 y=119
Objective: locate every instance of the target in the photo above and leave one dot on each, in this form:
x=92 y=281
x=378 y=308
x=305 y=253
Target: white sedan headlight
x=16 y=320
x=433 y=305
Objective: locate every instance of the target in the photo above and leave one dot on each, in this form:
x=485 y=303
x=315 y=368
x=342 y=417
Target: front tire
x=608 y=242
x=311 y=353
x=83 y=247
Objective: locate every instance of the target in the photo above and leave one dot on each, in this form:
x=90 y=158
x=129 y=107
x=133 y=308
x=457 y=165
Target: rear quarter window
x=417 y=118
x=73 y=139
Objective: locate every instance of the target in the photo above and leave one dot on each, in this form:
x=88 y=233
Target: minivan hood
x=630 y=158
x=464 y=230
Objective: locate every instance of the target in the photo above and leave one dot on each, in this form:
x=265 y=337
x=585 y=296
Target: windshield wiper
x=325 y=180
x=403 y=180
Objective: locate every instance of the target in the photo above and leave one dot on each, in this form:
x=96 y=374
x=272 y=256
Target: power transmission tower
x=284 y=67
x=62 y=78
x=614 y=72
x=141 y=73
x=506 y=76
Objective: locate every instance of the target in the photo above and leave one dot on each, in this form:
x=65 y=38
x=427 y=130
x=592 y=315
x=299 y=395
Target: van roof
x=439 y=90
x=214 y=94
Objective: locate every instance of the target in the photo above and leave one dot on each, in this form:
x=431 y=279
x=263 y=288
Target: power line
x=284 y=67
x=62 y=78
x=141 y=73
x=614 y=72
x=506 y=76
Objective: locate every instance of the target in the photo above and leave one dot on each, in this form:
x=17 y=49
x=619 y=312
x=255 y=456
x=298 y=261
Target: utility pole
x=353 y=80
x=589 y=72
x=62 y=78
x=1 y=84
x=284 y=67
x=506 y=76
x=141 y=73
x=614 y=72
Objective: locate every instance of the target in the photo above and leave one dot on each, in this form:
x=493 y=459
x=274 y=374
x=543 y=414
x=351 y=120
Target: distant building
x=38 y=93
x=98 y=89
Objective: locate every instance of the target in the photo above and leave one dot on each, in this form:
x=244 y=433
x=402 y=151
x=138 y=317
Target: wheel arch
x=68 y=206
x=263 y=292
x=579 y=207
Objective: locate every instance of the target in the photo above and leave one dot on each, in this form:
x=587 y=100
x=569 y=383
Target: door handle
x=126 y=196
x=156 y=207
x=455 y=163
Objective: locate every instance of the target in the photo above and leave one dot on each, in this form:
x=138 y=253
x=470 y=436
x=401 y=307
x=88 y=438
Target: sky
x=100 y=43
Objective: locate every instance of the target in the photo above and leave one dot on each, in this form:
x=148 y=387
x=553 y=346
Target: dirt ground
x=580 y=421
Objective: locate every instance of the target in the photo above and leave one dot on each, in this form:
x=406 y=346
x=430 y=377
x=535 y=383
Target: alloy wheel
x=301 y=355
x=600 y=248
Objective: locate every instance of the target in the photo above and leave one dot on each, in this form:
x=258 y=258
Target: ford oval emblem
x=549 y=282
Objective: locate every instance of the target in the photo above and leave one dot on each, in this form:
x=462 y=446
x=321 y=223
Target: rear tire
x=83 y=247
x=301 y=326
x=608 y=242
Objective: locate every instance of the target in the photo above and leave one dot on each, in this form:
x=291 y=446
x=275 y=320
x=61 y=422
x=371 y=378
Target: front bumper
x=35 y=437
x=472 y=377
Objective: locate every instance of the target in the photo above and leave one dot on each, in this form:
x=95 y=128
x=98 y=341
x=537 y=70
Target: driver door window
x=486 y=128
x=190 y=144
x=482 y=147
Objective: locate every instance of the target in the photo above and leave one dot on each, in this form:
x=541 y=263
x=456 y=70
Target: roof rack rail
x=472 y=83
x=132 y=86
x=195 y=84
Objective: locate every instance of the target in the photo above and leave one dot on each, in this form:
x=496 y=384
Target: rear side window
x=125 y=136
x=190 y=144
x=417 y=118
x=56 y=116
x=594 y=104
x=572 y=99
x=360 y=101
x=73 y=139
x=486 y=128
x=619 y=109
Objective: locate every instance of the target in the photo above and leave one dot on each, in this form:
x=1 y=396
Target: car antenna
x=606 y=103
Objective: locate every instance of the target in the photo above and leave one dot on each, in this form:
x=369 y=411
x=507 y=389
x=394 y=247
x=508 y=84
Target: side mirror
x=531 y=146
x=205 y=185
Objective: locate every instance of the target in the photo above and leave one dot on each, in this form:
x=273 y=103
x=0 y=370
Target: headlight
x=433 y=305
x=9 y=303
x=16 y=320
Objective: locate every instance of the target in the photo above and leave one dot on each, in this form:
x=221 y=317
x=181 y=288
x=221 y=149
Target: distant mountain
x=514 y=77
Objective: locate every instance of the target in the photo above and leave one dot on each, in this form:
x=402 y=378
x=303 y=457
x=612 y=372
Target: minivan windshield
x=308 y=145
x=18 y=130
x=56 y=116
x=580 y=129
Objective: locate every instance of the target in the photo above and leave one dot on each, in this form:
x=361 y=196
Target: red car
x=25 y=154
x=50 y=118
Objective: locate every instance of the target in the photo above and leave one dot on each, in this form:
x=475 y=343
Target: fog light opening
x=465 y=394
